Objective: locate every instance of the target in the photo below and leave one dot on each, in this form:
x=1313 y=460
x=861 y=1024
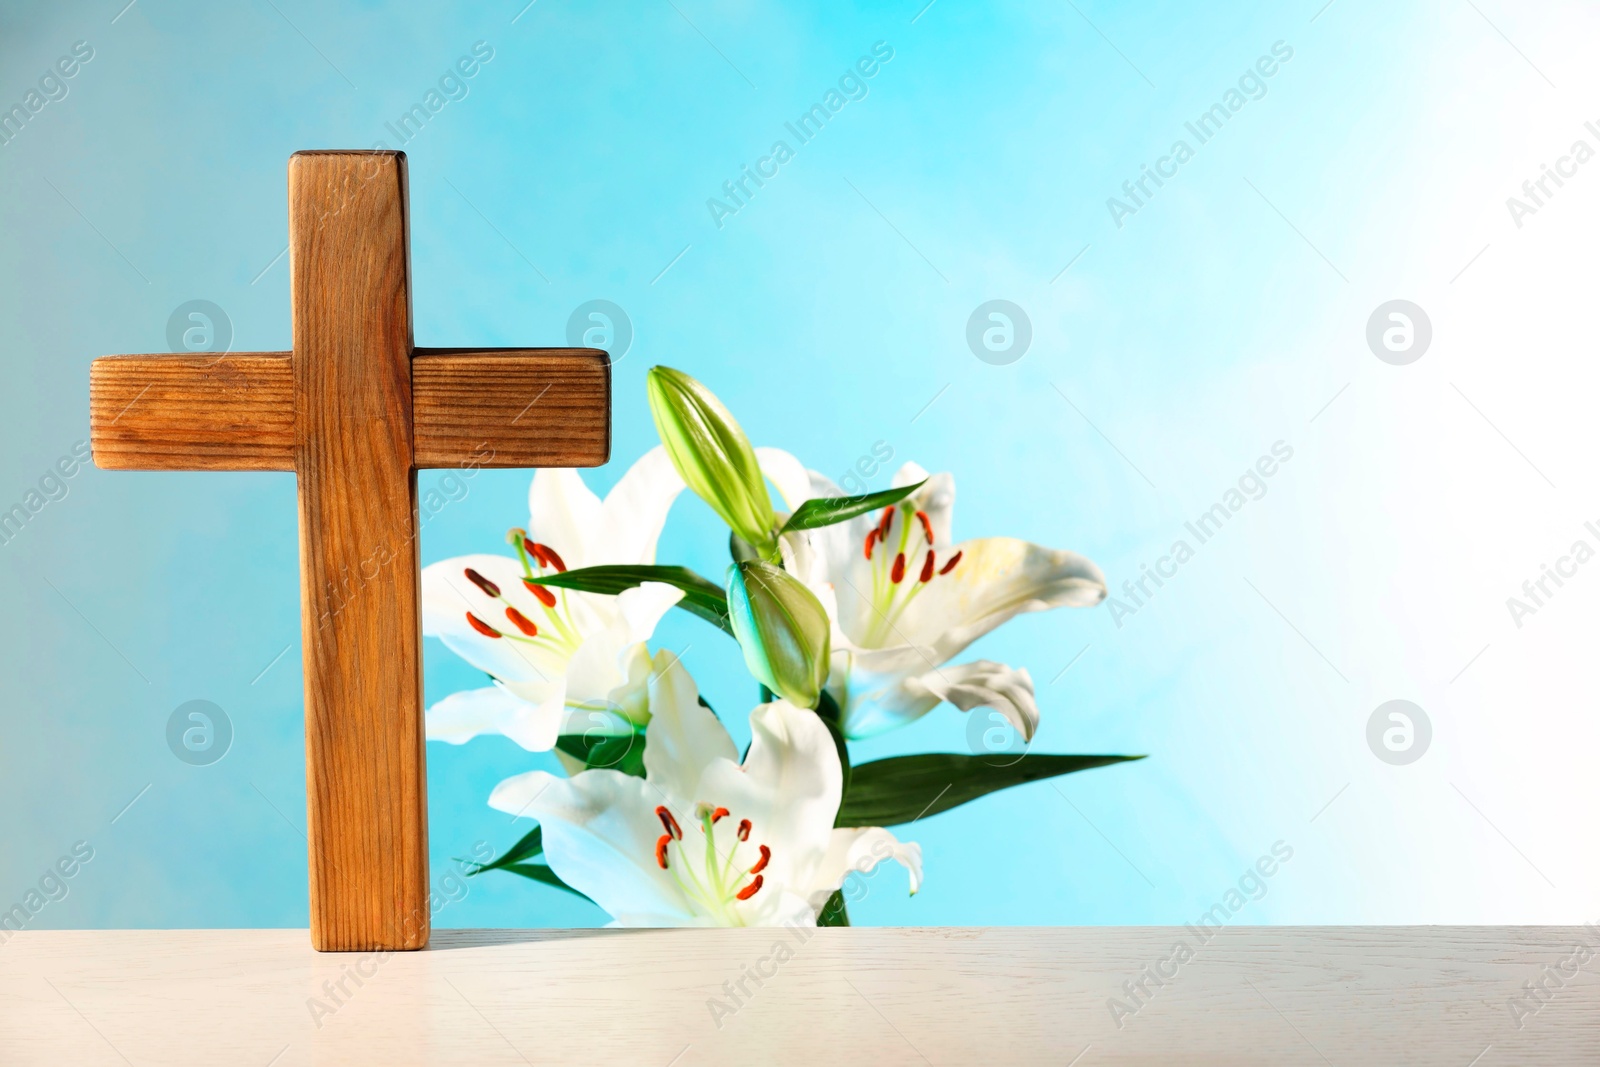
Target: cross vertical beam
x=349 y=266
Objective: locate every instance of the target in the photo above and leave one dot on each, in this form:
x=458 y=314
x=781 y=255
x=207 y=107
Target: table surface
x=1356 y=996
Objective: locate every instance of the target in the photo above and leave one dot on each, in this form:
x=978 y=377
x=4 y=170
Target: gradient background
x=830 y=314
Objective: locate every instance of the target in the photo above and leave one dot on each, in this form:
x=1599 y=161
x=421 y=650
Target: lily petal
x=643 y=606
x=997 y=579
x=564 y=514
x=600 y=836
x=460 y=717
x=683 y=737
x=448 y=596
x=635 y=510
x=981 y=683
x=789 y=787
x=603 y=664
x=860 y=850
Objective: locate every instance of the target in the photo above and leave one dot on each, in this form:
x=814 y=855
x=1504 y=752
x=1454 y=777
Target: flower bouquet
x=848 y=611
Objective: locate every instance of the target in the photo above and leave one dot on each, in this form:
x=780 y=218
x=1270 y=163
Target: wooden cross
x=354 y=411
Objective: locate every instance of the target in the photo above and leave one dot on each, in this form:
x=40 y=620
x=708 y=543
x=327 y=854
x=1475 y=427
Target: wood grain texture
x=192 y=412
x=349 y=267
x=512 y=407
x=1297 y=996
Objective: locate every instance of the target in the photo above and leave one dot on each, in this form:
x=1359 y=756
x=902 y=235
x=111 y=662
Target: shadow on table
x=446 y=940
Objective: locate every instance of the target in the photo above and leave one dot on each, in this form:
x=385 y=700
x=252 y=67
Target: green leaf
x=834 y=913
x=532 y=844
x=617 y=752
x=701 y=596
x=890 y=792
x=827 y=510
x=540 y=873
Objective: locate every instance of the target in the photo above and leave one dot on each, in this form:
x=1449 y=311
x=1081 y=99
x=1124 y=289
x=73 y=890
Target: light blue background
x=829 y=314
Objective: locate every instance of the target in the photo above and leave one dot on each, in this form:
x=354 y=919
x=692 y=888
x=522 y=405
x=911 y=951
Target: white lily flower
x=906 y=600
x=703 y=840
x=555 y=653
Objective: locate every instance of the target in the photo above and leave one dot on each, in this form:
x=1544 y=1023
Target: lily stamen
x=488 y=587
x=669 y=822
x=547 y=556
x=522 y=622
x=517 y=538
x=540 y=593
x=714 y=881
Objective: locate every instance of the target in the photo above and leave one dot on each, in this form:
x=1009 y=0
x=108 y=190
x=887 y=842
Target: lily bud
x=712 y=455
x=782 y=629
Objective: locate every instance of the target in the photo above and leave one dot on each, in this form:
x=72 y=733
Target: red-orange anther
x=543 y=595
x=669 y=822
x=547 y=556
x=481 y=582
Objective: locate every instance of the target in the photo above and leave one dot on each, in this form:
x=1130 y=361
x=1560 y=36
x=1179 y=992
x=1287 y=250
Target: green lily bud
x=782 y=629
x=713 y=456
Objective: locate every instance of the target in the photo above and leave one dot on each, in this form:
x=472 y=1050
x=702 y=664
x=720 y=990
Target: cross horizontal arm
x=494 y=407
x=511 y=407
x=200 y=412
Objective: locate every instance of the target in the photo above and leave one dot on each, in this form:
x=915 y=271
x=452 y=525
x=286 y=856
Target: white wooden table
x=1347 y=996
